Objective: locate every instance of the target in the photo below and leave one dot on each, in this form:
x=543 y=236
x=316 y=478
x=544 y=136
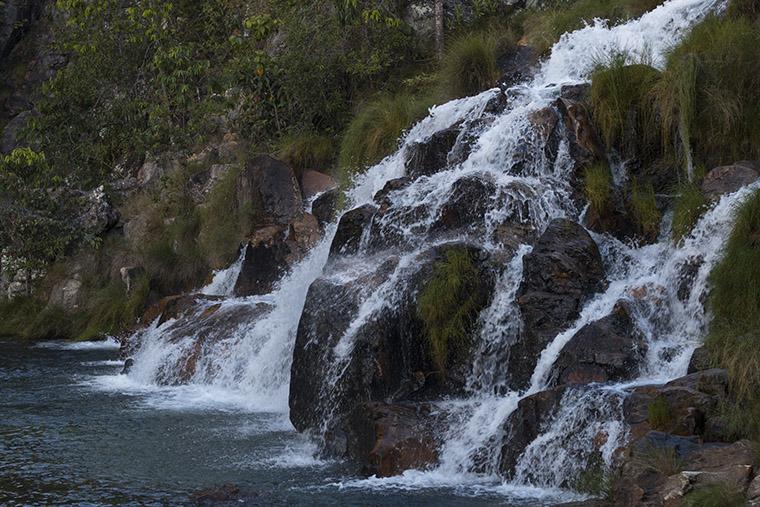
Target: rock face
x=269 y=186
x=609 y=349
x=559 y=275
x=430 y=156
x=351 y=229
x=387 y=358
x=314 y=183
x=391 y=438
x=728 y=179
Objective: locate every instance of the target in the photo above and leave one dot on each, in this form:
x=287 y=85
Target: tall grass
x=717 y=495
x=644 y=211
x=470 y=64
x=688 y=207
x=597 y=186
x=307 y=150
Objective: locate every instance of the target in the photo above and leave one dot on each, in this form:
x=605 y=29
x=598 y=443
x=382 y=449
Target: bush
x=688 y=207
x=622 y=103
x=710 y=92
x=448 y=305
x=734 y=300
x=470 y=64
x=643 y=206
x=375 y=130
x=717 y=495
x=307 y=150
x=597 y=186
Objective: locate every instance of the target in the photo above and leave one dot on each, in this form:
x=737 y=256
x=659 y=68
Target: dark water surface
x=64 y=441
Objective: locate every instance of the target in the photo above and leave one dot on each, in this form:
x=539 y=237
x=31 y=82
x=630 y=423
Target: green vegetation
x=598 y=187
x=644 y=211
x=659 y=414
x=660 y=459
x=734 y=339
x=469 y=66
x=30 y=319
x=717 y=495
x=595 y=479
x=307 y=150
x=688 y=207
x=112 y=310
x=448 y=306
x=622 y=102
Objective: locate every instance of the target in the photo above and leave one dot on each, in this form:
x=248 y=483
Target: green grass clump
x=688 y=207
x=470 y=64
x=622 y=102
x=734 y=300
x=448 y=305
x=597 y=186
x=660 y=459
x=374 y=131
x=710 y=92
x=595 y=479
x=749 y=9
x=659 y=414
x=718 y=495
x=644 y=211
x=307 y=150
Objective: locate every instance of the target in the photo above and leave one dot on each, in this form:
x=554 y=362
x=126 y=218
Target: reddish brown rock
x=730 y=178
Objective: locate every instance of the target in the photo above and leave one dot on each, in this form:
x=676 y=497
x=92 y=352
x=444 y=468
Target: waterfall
x=254 y=358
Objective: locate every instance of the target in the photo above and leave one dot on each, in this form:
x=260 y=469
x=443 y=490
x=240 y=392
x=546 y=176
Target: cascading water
x=530 y=188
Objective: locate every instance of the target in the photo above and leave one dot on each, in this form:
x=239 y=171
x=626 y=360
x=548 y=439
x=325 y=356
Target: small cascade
x=513 y=178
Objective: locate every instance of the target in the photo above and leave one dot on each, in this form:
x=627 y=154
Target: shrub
x=597 y=186
x=307 y=150
x=375 y=130
x=660 y=459
x=716 y=495
x=31 y=319
x=644 y=211
x=470 y=64
x=734 y=339
x=710 y=93
x=448 y=306
x=688 y=207
x=622 y=103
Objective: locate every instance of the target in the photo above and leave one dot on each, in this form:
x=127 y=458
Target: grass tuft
x=470 y=64
x=659 y=414
x=448 y=305
x=598 y=187
x=644 y=211
x=307 y=150
x=717 y=495
x=113 y=311
x=688 y=207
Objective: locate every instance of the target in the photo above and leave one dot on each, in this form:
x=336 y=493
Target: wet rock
x=325 y=207
x=314 y=183
x=753 y=492
x=609 y=349
x=525 y=424
x=729 y=179
x=387 y=357
x=387 y=439
x=468 y=204
x=271 y=251
x=224 y=495
x=517 y=65
x=585 y=146
x=680 y=407
x=559 y=275
x=128 y=364
x=269 y=186
x=351 y=229
x=700 y=360
x=430 y=156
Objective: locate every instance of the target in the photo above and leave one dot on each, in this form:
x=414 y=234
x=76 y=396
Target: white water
x=250 y=368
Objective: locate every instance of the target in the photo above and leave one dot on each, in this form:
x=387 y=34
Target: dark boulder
x=468 y=204
x=325 y=207
x=272 y=251
x=387 y=439
x=524 y=425
x=729 y=179
x=269 y=187
x=351 y=229
x=517 y=65
x=559 y=275
x=609 y=349
x=700 y=360
x=427 y=157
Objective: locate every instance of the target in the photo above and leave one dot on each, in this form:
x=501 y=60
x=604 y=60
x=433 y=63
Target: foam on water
x=108 y=344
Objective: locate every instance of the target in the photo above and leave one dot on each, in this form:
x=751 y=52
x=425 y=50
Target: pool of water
x=72 y=432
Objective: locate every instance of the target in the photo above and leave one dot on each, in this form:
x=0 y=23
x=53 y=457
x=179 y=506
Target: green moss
x=644 y=211
x=597 y=186
x=448 y=306
x=470 y=64
x=659 y=415
x=622 y=103
x=375 y=130
x=717 y=495
x=307 y=150
x=688 y=207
